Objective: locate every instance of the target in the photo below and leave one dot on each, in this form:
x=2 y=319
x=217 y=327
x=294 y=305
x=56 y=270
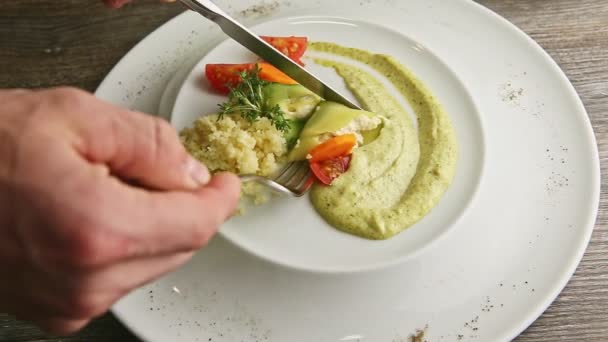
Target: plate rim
x=591 y=217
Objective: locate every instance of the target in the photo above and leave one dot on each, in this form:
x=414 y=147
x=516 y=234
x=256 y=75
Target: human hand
x=76 y=234
x=120 y=3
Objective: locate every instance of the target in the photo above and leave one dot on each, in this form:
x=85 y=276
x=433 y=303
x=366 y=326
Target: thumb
x=142 y=148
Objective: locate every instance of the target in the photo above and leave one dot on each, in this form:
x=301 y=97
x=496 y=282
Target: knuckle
x=87 y=242
x=164 y=139
x=68 y=92
x=162 y=128
x=69 y=98
x=200 y=237
x=94 y=245
x=86 y=237
x=85 y=306
x=85 y=248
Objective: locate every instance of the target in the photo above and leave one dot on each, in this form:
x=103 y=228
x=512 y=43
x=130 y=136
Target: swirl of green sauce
x=398 y=178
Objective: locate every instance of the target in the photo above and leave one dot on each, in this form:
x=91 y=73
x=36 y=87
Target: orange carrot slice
x=341 y=145
x=272 y=74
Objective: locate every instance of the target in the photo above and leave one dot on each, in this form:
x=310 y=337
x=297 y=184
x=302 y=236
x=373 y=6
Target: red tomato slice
x=223 y=76
x=293 y=47
x=328 y=170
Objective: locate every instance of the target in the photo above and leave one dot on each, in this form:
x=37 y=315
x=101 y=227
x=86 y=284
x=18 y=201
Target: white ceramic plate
x=496 y=270
x=284 y=230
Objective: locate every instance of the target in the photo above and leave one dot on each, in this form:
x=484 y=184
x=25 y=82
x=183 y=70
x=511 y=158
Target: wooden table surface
x=47 y=43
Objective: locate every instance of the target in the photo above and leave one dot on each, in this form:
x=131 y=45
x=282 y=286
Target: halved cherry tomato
x=223 y=76
x=328 y=170
x=292 y=47
x=334 y=147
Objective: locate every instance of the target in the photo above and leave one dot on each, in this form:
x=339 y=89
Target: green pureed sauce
x=398 y=178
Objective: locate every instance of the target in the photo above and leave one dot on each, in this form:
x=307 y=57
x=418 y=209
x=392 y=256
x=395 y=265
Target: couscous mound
x=234 y=144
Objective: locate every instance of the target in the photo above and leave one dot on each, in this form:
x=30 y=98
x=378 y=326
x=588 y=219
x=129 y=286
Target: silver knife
x=260 y=47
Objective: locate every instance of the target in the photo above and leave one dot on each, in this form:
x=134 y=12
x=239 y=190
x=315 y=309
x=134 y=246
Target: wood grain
x=46 y=43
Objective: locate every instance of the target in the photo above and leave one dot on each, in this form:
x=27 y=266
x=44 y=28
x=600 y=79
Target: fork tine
x=305 y=182
x=298 y=183
x=283 y=171
x=296 y=178
x=287 y=173
x=294 y=168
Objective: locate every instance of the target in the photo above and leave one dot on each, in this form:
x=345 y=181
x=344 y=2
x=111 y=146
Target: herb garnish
x=247 y=99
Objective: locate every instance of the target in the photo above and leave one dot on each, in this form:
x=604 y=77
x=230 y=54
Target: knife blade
x=260 y=47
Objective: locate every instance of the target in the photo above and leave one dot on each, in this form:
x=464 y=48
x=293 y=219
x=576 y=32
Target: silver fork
x=294 y=179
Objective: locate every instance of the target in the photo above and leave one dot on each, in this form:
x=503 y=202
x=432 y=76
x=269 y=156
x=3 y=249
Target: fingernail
x=197 y=173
